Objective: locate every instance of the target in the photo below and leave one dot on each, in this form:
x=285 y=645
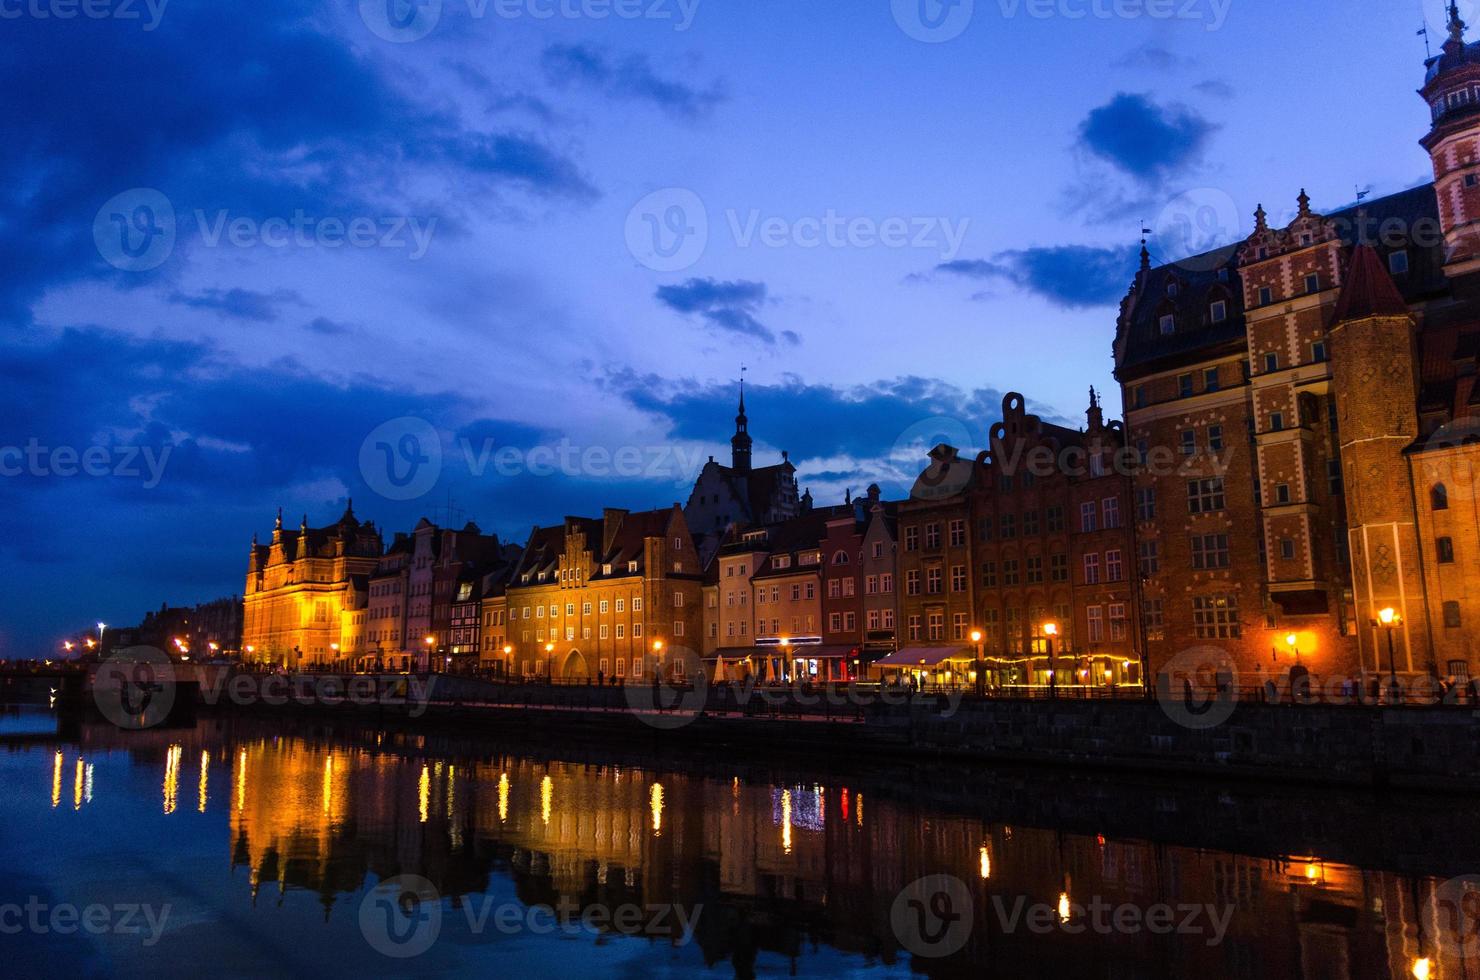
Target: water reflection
x=782 y=866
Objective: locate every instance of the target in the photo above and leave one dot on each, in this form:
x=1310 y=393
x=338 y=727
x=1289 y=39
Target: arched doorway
x=575 y=666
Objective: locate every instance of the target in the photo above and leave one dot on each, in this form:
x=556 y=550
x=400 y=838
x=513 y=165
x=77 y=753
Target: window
x=1009 y=527
x=1092 y=569
x=1096 y=619
x=1215 y=438
x=914 y=627
x=1030 y=524
x=1054 y=516
x=637 y=603
x=1210 y=379
x=1271 y=362
x=604 y=606
x=986 y=528
x=1110 y=508
x=1287 y=549
x=958 y=578
x=796 y=592
x=957 y=529
x=621 y=605
x=835 y=622
x=932 y=536
x=1439 y=497
x=781 y=561
x=1218 y=311
x=1088 y=516
x=1155 y=619
x=604 y=633
x=1113 y=569
x=1215 y=617
x=989 y=574
x=1035 y=569
x=937 y=625
x=878 y=549
x=1010 y=572
x=1398 y=261
x=1168 y=325
x=1276 y=421
x=1205 y=496
x=1333 y=476
x=1148 y=558
x=1209 y=551
x=1138 y=396
x=912 y=538
x=886 y=583
x=621 y=631
x=1445 y=547
x=1266 y=295
x=1451 y=615
x=1184 y=385
x=1318 y=351
x=933 y=580
x=912 y=582
x=958 y=626
x=1117 y=621
x=1058 y=567
x=1313 y=283
x=1145 y=503
x=1187 y=442
x=677 y=600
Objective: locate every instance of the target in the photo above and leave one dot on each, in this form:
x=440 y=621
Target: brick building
x=1315 y=382
x=617 y=596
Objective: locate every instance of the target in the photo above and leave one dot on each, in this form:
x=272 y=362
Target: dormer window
x=632 y=566
x=1266 y=295
x=1218 y=311
x=1222 y=275
x=1171 y=289
x=606 y=569
x=781 y=561
x=1313 y=283
x=1168 y=324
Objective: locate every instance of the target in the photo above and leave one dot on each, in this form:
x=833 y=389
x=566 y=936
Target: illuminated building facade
x=303 y=592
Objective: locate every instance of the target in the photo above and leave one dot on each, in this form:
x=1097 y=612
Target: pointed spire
x=1456 y=26
x=1261 y=222
x=1304 y=201
x=279 y=525
x=1369 y=290
x=1145 y=257
x=349 y=511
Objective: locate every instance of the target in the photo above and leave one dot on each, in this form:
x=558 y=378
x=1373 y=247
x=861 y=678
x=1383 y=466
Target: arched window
x=1439 y=497
x=840 y=558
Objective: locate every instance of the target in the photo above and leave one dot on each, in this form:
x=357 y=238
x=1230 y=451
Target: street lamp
x=1293 y=642
x=1390 y=619
x=1051 y=630
x=101 y=627
x=657 y=659
x=549 y=662
x=981 y=667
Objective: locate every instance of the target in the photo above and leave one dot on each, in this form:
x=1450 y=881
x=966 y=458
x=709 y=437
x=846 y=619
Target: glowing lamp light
x=508 y=649
x=1291 y=639
x=1064 y=906
x=976 y=636
x=1423 y=968
x=430 y=640
x=1389 y=617
x=658 y=644
x=1050 y=629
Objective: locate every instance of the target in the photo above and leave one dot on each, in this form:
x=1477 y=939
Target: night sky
x=269 y=245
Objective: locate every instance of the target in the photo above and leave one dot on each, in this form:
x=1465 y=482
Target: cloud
x=1216 y=88
x=728 y=306
x=330 y=328
x=1070 y=276
x=631 y=77
x=1153 y=57
x=1144 y=140
x=263 y=115
x=241 y=304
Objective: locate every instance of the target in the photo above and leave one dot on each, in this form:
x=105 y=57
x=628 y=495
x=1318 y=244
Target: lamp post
x=507 y=651
x=101 y=627
x=1051 y=630
x=549 y=663
x=1293 y=642
x=1390 y=619
x=657 y=660
x=785 y=658
x=430 y=641
x=981 y=666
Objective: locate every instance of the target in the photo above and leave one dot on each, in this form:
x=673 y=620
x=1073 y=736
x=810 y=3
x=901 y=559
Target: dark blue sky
x=241 y=240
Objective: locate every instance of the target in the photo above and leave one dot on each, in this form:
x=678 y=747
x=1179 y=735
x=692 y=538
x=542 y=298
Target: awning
x=816 y=651
x=923 y=657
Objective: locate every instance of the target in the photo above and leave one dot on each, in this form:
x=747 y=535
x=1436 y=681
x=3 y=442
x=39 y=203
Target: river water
x=249 y=847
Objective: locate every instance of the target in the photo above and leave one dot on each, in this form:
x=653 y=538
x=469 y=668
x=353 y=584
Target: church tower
x=740 y=442
x=1452 y=91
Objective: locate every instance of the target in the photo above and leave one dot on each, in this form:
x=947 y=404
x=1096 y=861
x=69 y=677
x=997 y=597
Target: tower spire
x=740 y=443
x=1456 y=26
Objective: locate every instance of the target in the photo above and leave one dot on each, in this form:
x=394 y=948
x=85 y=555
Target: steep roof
x=1369 y=290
